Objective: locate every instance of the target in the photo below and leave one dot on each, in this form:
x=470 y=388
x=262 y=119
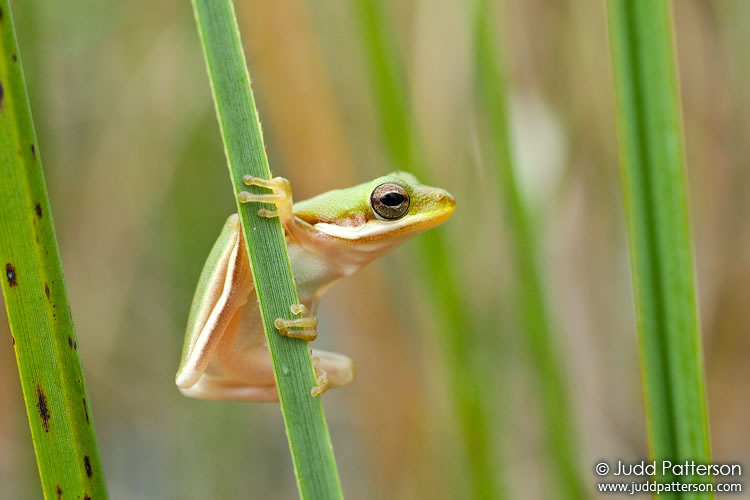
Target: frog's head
x=399 y=205
x=378 y=215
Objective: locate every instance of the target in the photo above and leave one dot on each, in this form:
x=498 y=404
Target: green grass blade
x=44 y=337
x=651 y=151
x=531 y=304
x=309 y=442
x=467 y=381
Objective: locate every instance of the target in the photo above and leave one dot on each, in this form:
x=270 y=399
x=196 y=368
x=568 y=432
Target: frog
x=328 y=237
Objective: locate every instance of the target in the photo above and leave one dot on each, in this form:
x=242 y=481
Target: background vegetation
x=126 y=123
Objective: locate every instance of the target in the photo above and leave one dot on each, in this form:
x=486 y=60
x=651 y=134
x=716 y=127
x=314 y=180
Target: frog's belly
x=312 y=272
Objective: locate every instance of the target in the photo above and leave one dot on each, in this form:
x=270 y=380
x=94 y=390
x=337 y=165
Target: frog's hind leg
x=212 y=388
x=250 y=377
x=227 y=285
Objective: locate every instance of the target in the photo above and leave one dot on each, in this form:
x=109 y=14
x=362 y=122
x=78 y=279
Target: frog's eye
x=390 y=201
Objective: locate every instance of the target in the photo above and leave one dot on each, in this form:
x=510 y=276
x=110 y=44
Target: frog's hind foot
x=331 y=370
x=280 y=196
x=321 y=379
x=304 y=328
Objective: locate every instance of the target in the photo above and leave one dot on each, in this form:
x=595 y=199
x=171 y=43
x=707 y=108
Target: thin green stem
x=467 y=383
x=661 y=253
x=307 y=431
x=531 y=303
x=43 y=335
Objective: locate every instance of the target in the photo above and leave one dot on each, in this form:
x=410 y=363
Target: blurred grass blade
x=467 y=382
x=309 y=442
x=651 y=150
x=41 y=324
x=532 y=309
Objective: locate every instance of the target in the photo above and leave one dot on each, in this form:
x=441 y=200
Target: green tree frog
x=330 y=236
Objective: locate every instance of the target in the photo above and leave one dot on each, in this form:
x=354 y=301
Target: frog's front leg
x=280 y=196
x=304 y=328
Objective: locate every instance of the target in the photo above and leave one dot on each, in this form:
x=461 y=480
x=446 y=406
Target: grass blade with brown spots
x=43 y=336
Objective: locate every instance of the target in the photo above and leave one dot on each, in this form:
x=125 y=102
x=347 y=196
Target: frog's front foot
x=280 y=196
x=321 y=379
x=304 y=328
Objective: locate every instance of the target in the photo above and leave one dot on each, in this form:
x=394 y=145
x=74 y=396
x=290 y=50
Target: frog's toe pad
x=304 y=328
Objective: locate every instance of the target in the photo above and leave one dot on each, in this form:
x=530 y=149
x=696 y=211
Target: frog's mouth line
x=374 y=229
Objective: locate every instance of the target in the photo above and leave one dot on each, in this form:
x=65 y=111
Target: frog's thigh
x=253 y=368
x=339 y=368
x=209 y=387
x=244 y=374
x=248 y=375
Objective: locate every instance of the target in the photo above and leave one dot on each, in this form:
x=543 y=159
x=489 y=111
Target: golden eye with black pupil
x=390 y=201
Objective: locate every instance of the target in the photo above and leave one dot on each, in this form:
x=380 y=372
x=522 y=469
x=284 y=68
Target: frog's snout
x=446 y=200
x=446 y=204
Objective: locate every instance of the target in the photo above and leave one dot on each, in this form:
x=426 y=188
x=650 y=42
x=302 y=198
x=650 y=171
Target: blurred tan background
x=139 y=190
